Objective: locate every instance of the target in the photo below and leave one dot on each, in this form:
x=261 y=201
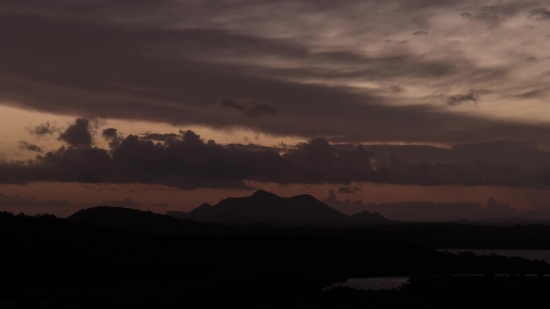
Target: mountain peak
x=267 y=207
x=264 y=194
x=204 y=205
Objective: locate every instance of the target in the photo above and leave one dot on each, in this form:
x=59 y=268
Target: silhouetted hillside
x=434 y=235
x=366 y=216
x=267 y=207
x=136 y=220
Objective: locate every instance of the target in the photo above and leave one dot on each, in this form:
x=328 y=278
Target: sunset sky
x=163 y=105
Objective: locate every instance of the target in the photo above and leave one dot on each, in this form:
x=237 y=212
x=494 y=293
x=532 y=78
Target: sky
x=163 y=105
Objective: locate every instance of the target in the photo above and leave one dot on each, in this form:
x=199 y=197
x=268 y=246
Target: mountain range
x=269 y=208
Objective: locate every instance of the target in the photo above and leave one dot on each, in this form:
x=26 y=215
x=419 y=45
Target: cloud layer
x=326 y=66
x=188 y=162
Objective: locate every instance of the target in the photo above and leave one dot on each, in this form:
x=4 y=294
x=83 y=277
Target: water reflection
x=377 y=283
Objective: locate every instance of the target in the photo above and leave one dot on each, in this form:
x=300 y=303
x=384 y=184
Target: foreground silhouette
x=53 y=260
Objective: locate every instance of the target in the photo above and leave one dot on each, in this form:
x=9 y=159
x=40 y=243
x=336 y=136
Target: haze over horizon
x=165 y=105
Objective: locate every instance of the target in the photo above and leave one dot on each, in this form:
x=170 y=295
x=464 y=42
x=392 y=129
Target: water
x=384 y=283
x=528 y=254
x=378 y=283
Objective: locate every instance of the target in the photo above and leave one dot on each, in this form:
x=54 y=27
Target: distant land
x=448 y=235
x=269 y=208
x=494 y=212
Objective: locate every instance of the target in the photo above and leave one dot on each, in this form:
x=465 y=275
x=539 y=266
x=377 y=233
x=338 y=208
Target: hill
x=267 y=207
x=136 y=220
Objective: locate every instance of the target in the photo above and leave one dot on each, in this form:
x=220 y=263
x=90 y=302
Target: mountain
x=267 y=207
x=365 y=216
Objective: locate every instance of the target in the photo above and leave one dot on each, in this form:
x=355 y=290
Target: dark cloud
x=420 y=32
x=349 y=190
x=28 y=146
x=397 y=41
x=126 y=203
x=459 y=99
x=78 y=133
x=112 y=136
x=109 y=133
x=541 y=92
x=43 y=129
x=494 y=14
x=248 y=107
x=487 y=17
x=159 y=136
x=540 y=14
x=257 y=147
x=6 y=200
x=189 y=162
x=527 y=155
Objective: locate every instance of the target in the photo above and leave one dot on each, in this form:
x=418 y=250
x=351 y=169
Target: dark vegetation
x=126 y=257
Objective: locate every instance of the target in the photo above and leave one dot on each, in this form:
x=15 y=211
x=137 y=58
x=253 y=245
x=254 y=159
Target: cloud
x=396 y=41
x=540 y=14
x=487 y=17
x=420 y=32
x=349 y=190
x=78 y=133
x=483 y=16
x=248 y=107
x=460 y=99
x=189 y=162
x=43 y=129
x=320 y=86
x=6 y=200
x=540 y=92
x=159 y=136
x=28 y=146
x=126 y=203
x=112 y=136
x=526 y=155
x=492 y=14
